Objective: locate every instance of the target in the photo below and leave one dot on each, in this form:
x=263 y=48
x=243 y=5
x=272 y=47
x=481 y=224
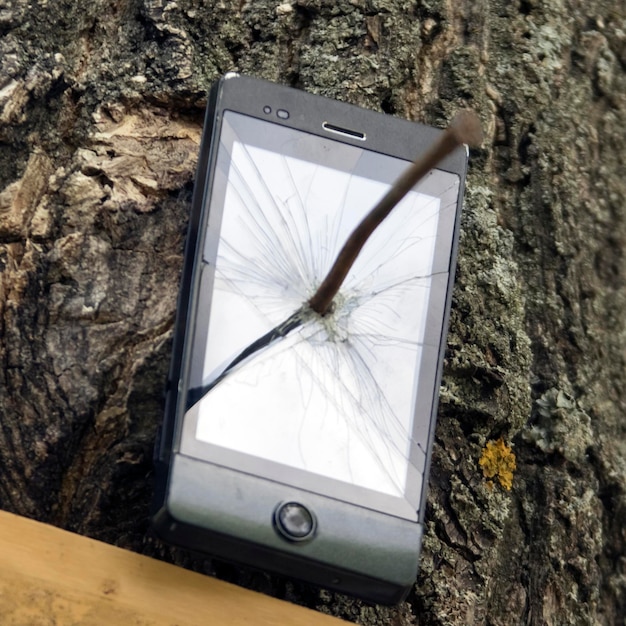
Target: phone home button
x=294 y=521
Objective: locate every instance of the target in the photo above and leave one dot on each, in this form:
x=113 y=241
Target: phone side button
x=294 y=521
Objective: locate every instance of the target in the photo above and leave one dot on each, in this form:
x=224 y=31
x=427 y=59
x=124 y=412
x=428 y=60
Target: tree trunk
x=101 y=109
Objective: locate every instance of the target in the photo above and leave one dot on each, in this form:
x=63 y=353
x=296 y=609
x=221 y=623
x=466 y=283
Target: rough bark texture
x=101 y=108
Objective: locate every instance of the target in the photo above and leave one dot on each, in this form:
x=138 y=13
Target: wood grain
x=53 y=577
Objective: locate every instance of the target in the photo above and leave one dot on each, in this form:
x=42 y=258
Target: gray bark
x=101 y=108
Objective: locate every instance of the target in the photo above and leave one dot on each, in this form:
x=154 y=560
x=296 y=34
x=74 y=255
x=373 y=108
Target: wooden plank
x=53 y=577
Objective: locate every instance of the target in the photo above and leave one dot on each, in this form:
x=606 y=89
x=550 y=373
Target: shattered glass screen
x=340 y=404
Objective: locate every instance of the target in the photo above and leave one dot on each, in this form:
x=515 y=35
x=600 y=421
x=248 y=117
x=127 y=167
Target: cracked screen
x=338 y=404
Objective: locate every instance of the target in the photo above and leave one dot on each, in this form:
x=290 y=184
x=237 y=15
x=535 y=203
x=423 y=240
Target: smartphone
x=295 y=442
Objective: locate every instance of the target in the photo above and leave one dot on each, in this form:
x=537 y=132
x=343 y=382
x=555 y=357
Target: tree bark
x=101 y=109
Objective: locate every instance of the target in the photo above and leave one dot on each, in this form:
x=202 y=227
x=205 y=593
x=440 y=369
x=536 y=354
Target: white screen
x=336 y=396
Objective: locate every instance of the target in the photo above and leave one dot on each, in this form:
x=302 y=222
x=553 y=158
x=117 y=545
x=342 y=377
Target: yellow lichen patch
x=498 y=461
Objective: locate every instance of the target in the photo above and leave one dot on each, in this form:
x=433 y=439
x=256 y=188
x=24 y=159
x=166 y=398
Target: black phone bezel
x=386 y=574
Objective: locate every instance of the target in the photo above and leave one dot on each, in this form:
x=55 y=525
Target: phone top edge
x=310 y=113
